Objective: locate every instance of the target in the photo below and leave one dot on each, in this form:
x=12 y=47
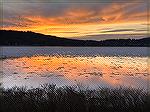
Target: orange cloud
x=77 y=18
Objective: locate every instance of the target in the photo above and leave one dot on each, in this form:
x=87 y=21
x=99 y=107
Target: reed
x=50 y=98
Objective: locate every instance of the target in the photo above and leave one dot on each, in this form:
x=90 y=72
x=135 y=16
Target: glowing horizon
x=76 y=20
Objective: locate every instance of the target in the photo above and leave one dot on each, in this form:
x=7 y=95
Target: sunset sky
x=96 y=20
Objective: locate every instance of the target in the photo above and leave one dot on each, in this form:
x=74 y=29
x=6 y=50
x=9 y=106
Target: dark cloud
x=73 y=1
x=112 y=36
x=125 y=30
x=147 y=24
x=141 y=30
x=17 y=21
x=49 y=16
x=118 y=30
x=6 y=24
x=100 y=11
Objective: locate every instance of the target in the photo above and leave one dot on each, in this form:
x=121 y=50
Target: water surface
x=92 y=67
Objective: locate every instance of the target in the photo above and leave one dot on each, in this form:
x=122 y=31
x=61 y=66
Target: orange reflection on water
x=109 y=70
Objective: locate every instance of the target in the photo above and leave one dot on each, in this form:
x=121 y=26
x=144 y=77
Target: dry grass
x=49 y=98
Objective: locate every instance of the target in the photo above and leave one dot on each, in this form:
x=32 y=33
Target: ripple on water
x=77 y=68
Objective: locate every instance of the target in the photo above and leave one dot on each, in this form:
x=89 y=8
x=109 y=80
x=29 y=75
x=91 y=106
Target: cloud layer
x=53 y=17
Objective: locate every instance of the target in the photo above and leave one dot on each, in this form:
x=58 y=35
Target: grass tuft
x=50 y=98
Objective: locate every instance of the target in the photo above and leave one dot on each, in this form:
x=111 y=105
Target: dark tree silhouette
x=21 y=38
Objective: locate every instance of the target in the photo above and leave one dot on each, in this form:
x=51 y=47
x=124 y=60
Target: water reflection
x=63 y=70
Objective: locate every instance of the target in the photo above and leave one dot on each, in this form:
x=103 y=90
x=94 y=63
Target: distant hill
x=20 y=38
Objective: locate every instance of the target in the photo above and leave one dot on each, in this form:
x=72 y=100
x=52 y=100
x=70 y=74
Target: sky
x=78 y=19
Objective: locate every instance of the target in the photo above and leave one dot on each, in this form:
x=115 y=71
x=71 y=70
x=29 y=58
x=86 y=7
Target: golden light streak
x=82 y=21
